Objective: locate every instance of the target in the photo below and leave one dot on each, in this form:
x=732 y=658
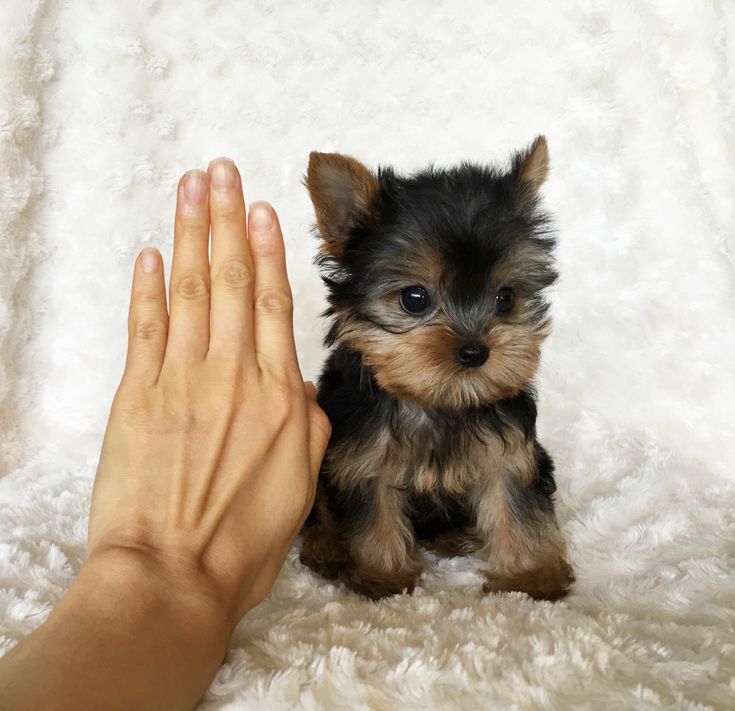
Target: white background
x=104 y=105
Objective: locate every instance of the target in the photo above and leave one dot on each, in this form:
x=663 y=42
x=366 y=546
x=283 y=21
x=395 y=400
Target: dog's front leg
x=363 y=538
x=516 y=519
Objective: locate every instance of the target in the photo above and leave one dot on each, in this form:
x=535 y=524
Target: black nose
x=471 y=355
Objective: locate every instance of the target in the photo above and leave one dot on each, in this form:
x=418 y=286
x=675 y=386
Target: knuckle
x=232 y=392
x=125 y=393
x=181 y=421
x=226 y=206
x=285 y=397
x=192 y=287
x=149 y=329
x=146 y=296
x=264 y=246
x=192 y=224
x=132 y=401
x=235 y=273
x=177 y=412
x=284 y=408
x=274 y=301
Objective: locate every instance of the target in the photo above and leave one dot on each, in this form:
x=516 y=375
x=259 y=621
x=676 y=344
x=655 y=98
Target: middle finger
x=189 y=288
x=232 y=268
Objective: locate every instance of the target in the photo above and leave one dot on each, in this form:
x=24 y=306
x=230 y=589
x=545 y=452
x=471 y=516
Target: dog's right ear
x=345 y=195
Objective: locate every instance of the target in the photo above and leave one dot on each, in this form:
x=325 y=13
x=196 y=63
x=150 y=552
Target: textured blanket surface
x=103 y=105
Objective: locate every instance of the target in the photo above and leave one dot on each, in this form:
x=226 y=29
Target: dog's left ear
x=345 y=195
x=530 y=167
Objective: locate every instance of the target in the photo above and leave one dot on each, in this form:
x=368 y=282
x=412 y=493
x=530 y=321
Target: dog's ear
x=530 y=167
x=345 y=195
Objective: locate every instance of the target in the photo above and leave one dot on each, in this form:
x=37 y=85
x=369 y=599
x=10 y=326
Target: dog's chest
x=416 y=451
x=429 y=454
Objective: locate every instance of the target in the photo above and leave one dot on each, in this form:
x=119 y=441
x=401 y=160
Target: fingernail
x=195 y=185
x=261 y=215
x=223 y=173
x=149 y=259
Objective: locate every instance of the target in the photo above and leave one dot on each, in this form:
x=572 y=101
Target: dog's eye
x=415 y=300
x=504 y=300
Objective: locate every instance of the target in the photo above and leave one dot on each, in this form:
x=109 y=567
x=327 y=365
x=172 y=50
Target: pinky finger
x=320 y=430
x=147 y=319
x=310 y=390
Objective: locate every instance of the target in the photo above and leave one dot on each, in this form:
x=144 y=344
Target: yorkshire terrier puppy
x=436 y=294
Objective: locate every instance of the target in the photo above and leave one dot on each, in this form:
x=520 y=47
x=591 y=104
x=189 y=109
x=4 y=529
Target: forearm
x=117 y=640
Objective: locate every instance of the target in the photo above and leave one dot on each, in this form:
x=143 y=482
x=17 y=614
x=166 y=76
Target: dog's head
x=437 y=278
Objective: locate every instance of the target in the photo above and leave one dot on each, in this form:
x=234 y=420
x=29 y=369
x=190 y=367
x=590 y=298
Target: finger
x=274 y=339
x=147 y=319
x=231 y=318
x=189 y=287
x=320 y=430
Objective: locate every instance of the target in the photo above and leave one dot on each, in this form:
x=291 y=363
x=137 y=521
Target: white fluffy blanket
x=103 y=105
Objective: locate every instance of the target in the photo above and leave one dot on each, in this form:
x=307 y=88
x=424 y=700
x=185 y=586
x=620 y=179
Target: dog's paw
x=542 y=583
x=378 y=584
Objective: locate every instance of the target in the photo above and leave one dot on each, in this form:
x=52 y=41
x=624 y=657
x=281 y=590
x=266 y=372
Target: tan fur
x=388 y=543
x=344 y=193
x=323 y=551
x=535 y=167
x=413 y=359
x=515 y=352
x=528 y=555
x=425 y=267
x=401 y=464
x=452 y=544
x=350 y=462
x=545 y=582
x=378 y=563
x=322 y=547
x=522 y=258
x=524 y=555
x=439 y=381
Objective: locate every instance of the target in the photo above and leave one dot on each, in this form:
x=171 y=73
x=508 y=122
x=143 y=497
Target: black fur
x=357 y=408
x=470 y=216
x=482 y=229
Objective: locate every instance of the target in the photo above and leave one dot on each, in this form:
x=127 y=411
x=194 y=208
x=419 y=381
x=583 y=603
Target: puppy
x=436 y=297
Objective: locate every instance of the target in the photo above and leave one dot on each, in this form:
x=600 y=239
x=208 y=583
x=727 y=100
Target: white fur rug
x=103 y=105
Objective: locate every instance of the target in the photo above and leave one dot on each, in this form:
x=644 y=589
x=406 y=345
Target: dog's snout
x=471 y=355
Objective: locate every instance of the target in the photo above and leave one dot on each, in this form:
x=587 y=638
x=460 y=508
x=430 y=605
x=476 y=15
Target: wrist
x=128 y=634
x=134 y=585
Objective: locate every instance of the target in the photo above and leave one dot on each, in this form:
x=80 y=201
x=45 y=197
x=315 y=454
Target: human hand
x=214 y=442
